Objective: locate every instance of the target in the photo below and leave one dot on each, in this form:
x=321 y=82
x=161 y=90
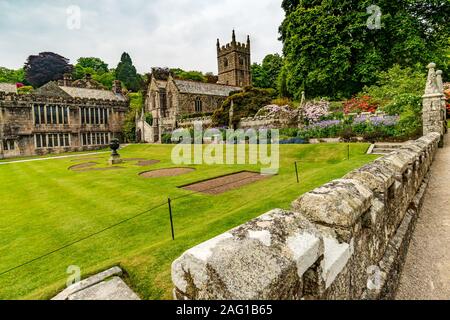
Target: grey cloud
x=174 y=33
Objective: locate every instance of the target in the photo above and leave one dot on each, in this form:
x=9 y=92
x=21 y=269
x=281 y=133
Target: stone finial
x=432 y=87
x=233 y=36
x=440 y=83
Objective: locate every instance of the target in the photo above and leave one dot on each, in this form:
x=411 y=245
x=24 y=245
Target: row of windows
x=52 y=140
x=50 y=114
x=95 y=138
x=9 y=145
x=94 y=115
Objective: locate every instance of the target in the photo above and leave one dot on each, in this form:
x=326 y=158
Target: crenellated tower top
x=234 y=61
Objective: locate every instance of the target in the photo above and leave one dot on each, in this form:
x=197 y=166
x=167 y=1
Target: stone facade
x=234 y=60
x=434 y=104
x=169 y=101
x=59 y=117
x=172 y=101
x=345 y=240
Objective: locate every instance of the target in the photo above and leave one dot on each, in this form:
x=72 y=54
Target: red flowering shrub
x=19 y=85
x=360 y=104
x=447 y=94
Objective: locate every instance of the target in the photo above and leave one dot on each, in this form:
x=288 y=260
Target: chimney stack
x=117 y=87
x=67 y=80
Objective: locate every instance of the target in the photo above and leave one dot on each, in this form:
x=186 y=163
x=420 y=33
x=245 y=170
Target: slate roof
x=195 y=87
x=92 y=93
x=8 y=88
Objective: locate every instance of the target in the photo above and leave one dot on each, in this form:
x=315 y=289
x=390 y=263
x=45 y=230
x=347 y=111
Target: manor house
x=60 y=117
x=171 y=99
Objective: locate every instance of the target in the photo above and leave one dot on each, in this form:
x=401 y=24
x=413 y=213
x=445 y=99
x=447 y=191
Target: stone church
x=60 y=117
x=171 y=99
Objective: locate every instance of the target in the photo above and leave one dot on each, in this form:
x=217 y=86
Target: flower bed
x=369 y=128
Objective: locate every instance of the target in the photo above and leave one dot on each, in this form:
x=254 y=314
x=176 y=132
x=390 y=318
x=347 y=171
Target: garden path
x=426 y=274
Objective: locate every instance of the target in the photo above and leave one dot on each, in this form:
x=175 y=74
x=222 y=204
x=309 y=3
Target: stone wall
x=17 y=122
x=344 y=240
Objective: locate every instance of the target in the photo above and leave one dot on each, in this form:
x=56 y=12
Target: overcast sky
x=172 y=33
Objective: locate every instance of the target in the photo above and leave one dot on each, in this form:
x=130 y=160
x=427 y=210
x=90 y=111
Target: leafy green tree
x=188 y=75
x=330 y=50
x=12 y=76
x=46 y=67
x=259 y=76
x=395 y=82
x=266 y=74
x=129 y=126
x=95 y=64
x=126 y=72
x=106 y=79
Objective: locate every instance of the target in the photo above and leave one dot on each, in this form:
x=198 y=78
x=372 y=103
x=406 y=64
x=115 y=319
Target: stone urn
x=115 y=156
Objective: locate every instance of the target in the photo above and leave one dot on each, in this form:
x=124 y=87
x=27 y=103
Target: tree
x=259 y=77
x=96 y=64
x=266 y=74
x=46 y=67
x=330 y=50
x=126 y=72
x=12 y=76
x=188 y=75
x=97 y=68
x=129 y=126
x=106 y=79
x=246 y=103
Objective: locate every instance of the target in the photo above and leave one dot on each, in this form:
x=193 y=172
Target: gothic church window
x=198 y=105
x=225 y=62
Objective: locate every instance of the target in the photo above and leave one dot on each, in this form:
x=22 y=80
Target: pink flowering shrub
x=313 y=111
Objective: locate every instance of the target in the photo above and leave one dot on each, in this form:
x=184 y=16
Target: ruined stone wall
x=344 y=240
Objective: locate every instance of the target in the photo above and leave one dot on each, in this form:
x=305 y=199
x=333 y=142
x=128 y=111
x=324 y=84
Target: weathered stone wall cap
x=64 y=295
x=376 y=176
x=252 y=261
x=338 y=203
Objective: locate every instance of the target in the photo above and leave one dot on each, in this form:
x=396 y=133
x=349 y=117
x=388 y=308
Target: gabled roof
x=53 y=89
x=8 y=88
x=213 y=89
x=92 y=94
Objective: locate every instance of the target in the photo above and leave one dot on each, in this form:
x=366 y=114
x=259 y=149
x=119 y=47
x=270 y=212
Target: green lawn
x=45 y=206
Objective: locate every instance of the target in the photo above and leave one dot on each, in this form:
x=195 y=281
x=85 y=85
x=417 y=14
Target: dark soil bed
x=225 y=183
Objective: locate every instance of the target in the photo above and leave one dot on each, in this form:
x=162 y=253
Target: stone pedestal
x=115 y=159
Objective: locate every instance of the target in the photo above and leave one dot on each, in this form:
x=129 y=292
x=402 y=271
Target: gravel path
x=426 y=275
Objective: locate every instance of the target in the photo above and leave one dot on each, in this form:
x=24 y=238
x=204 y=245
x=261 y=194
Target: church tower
x=234 y=60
